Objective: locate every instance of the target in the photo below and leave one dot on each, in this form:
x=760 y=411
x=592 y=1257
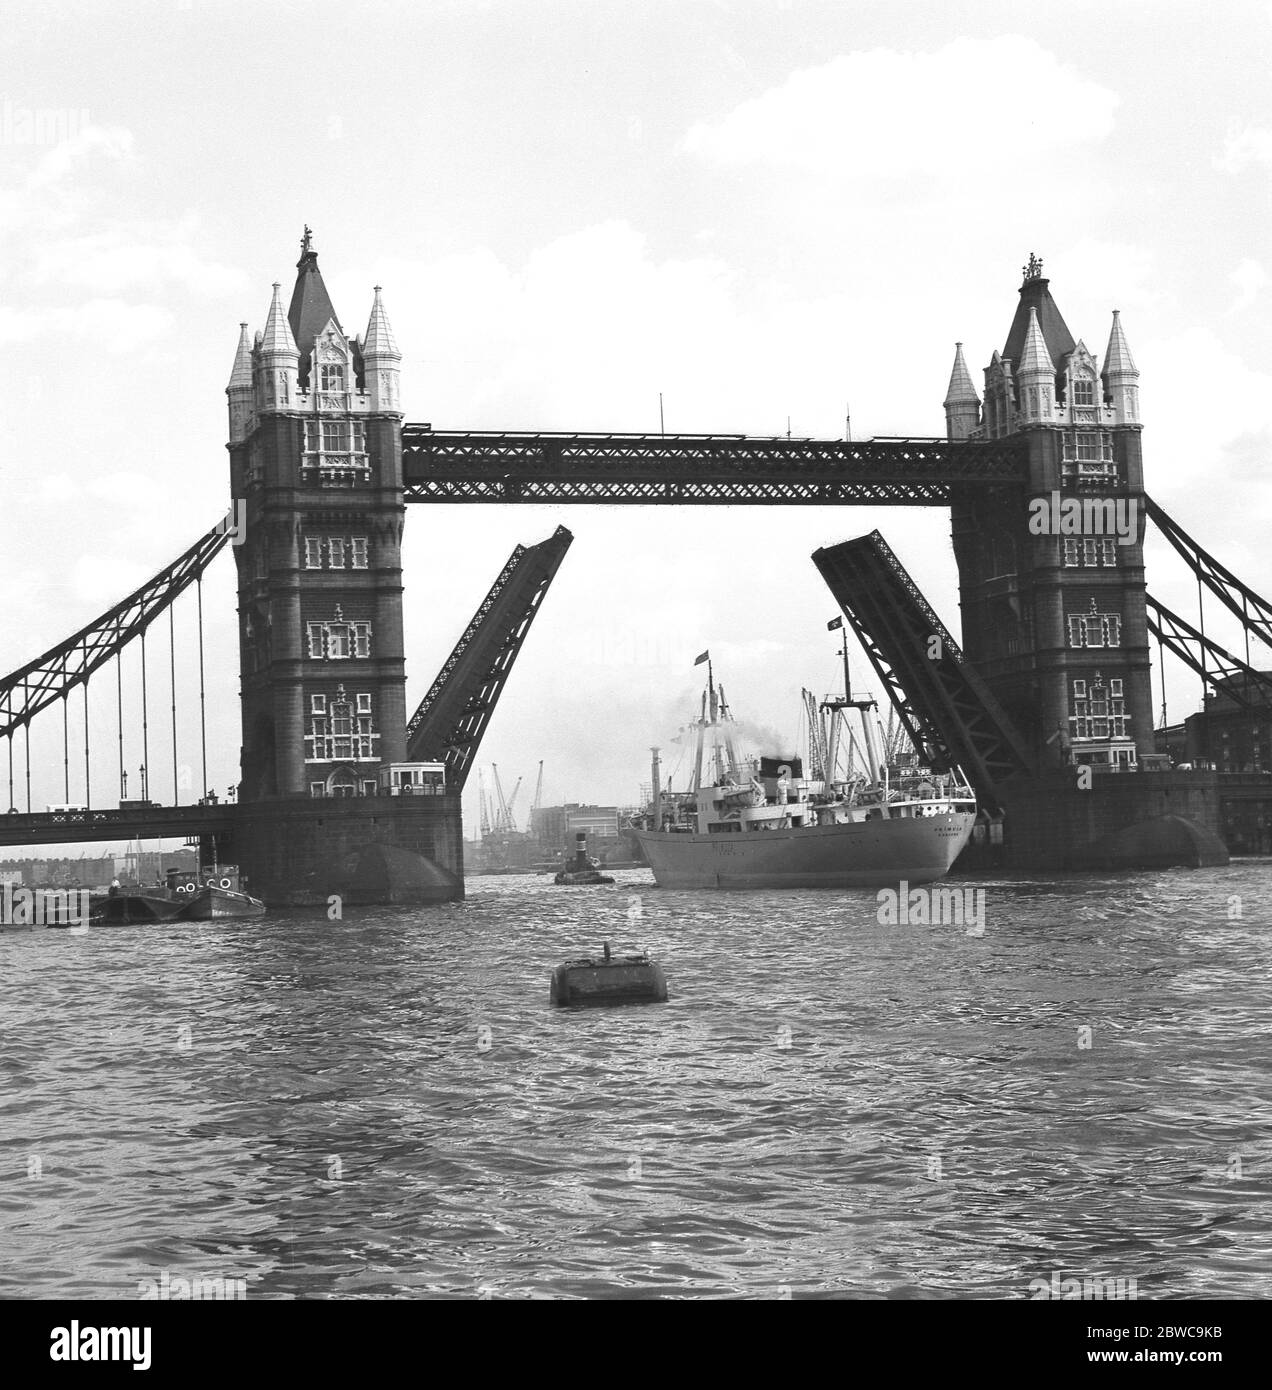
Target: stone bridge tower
x=316 y=458
x=1051 y=581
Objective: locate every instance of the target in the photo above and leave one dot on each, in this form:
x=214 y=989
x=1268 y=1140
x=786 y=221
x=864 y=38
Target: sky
x=776 y=214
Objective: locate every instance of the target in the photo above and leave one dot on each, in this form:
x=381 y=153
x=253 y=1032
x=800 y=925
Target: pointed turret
x=277 y=359
x=240 y=388
x=277 y=336
x=311 y=311
x=962 y=404
x=1120 y=376
x=381 y=359
x=1035 y=375
x=1035 y=297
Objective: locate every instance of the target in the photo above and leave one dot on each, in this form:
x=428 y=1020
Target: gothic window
x=360 y=552
x=1095 y=551
x=339 y=644
x=332 y=376
x=364 y=704
x=336 y=552
x=341 y=730
x=335 y=435
x=1103 y=715
x=1095 y=629
x=338 y=640
x=318 y=704
x=313 y=552
x=1083 y=391
x=317 y=789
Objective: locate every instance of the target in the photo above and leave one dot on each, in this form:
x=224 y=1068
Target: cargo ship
x=758 y=822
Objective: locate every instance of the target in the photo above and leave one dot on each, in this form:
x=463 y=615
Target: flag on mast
x=706 y=656
x=834 y=623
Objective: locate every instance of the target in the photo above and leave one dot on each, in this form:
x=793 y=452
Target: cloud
x=1249 y=278
x=69 y=157
x=890 y=115
x=1244 y=147
x=115 y=326
x=127 y=255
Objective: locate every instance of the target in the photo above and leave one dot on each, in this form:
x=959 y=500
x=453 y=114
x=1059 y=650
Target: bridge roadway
x=720 y=469
x=141 y=823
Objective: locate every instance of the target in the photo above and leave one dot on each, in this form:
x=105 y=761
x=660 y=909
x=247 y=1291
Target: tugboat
x=759 y=823
x=186 y=897
x=212 y=893
x=583 y=872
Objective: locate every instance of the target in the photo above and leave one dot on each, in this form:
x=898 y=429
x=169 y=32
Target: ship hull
x=864 y=854
x=216 y=903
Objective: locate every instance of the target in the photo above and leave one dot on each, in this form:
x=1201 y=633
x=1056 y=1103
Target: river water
x=387 y=1106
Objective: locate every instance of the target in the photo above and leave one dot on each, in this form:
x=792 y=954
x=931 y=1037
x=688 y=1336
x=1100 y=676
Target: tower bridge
x=1053 y=668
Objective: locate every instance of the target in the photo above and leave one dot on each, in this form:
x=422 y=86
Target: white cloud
x=126 y=255
x=1249 y=278
x=71 y=155
x=115 y=326
x=1243 y=147
x=891 y=115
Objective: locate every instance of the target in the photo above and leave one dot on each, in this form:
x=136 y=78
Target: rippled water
x=826 y=1105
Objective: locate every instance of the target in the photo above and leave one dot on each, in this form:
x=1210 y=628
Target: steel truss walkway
x=1223 y=673
x=135 y=823
x=946 y=708
x=1219 y=669
x=484 y=466
x=452 y=717
x=52 y=676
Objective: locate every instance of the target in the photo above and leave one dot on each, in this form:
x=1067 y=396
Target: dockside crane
x=512 y=801
x=501 y=812
x=484 y=804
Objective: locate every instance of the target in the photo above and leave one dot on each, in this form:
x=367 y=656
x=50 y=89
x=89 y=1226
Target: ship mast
x=697 y=751
x=726 y=718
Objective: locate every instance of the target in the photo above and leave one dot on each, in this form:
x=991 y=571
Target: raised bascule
x=1045 y=701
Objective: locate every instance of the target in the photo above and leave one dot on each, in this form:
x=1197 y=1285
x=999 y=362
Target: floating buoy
x=610 y=980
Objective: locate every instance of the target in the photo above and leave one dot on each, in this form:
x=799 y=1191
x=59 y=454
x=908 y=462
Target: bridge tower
x=316 y=461
x=1051 y=582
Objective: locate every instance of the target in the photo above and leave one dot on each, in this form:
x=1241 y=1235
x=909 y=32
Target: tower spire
x=1036 y=374
x=278 y=358
x=381 y=359
x=962 y=404
x=239 y=389
x=1120 y=376
x=311 y=309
